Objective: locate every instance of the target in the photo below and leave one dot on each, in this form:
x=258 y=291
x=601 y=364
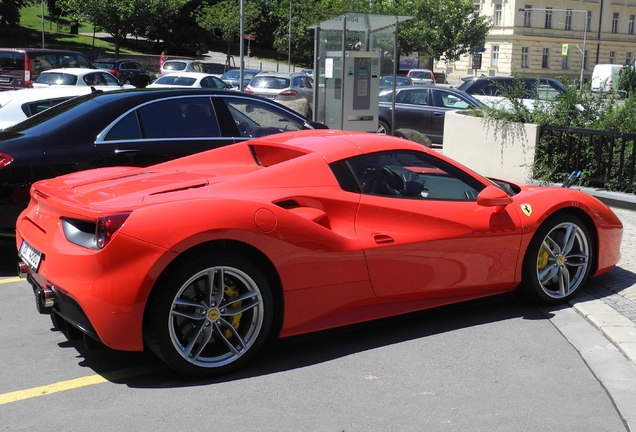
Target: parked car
x=203 y=259
x=386 y=82
x=181 y=65
x=422 y=108
x=20 y=67
x=195 y=48
x=494 y=91
x=281 y=86
x=421 y=76
x=96 y=78
x=17 y=105
x=189 y=80
x=126 y=71
x=131 y=127
x=232 y=76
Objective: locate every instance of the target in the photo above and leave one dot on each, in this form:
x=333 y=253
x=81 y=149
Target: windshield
x=57 y=78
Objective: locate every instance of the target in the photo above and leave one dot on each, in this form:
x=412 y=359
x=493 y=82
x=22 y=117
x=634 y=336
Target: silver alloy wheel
x=563 y=260
x=216 y=316
x=382 y=129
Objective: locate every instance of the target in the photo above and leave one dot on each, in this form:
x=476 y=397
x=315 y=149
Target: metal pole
x=289 y=36
x=42 y=23
x=583 y=56
x=241 y=53
x=395 y=68
x=317 y=59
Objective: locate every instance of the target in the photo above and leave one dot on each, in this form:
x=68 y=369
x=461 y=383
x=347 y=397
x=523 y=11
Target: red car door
x=426 y=235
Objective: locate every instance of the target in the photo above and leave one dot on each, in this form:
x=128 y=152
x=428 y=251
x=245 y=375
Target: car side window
x=168 y=119
x=446 y=99
x=410 y=175
x=255 y=118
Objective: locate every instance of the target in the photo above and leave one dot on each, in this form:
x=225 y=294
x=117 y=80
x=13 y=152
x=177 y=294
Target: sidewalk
x=609 y=301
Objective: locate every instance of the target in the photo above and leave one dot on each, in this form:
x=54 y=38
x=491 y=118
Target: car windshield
x=57 y=78
x=269 y=82
x=421 y=75
x=176 y=80
x=11 y=60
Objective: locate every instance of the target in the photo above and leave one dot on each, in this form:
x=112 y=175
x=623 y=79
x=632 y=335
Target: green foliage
x=10 y=12
x=627 y=80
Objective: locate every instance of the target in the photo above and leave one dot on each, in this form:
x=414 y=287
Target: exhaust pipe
x=44 y=299
x=23 y=269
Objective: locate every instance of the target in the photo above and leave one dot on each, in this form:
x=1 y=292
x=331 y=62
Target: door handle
x=383 y=238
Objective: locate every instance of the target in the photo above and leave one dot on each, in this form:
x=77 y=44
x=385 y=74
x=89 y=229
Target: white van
x=605 y=77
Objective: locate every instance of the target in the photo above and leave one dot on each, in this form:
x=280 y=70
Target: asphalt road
x=490 y=365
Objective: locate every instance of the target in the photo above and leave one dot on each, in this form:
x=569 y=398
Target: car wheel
x=210 y=315
x=383 y=128
x=557 y=261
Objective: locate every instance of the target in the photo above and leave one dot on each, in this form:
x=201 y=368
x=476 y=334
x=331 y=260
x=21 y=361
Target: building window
x=588 y=22
x=612 y=57
x=525 y=54
x=628 y=58
x=565 y=63
x=615 y=23
x=527 y=16
x=630 y=24
x=548 y=18
x=498 y=12
x=545 y=61
x=494 y=58
x=568 y=19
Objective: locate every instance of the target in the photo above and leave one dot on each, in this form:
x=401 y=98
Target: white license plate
x=30 y=255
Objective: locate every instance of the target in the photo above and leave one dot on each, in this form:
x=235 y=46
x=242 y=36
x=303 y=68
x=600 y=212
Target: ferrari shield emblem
x=526 y=209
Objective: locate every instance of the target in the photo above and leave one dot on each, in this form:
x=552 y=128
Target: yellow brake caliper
x=232 y=292
x=542 y=262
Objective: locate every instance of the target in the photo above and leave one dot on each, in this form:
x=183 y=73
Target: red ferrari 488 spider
x=202 y=258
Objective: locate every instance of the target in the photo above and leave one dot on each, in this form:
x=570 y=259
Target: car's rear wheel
x=557 y=261
x=383 y=128
x=210 y=315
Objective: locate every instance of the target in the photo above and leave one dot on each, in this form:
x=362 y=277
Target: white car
x=18 y=105
x=189 y=80
x=80 y=77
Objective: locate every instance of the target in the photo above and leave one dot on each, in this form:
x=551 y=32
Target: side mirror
x=492 y=196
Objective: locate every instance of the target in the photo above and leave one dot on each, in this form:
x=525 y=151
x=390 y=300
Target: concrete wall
x=502 y=150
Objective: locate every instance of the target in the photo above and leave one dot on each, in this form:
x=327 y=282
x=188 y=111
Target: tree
x=10 y=12
x=442 y=29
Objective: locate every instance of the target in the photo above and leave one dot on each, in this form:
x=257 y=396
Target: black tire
x=197 y=328
x=558 y=260
x=383 y=128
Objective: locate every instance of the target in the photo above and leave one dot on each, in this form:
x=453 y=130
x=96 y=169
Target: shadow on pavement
x=8 y=257
x=302 y=351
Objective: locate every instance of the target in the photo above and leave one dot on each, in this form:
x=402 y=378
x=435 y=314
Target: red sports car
x=202 y=258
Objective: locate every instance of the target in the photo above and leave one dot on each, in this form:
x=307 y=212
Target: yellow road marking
x=13 y=279
x=74 y=384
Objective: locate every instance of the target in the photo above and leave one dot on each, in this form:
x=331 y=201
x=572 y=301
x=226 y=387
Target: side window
x=447 y=99
x=108 y=79
x=178 y=118
x=197 y=67
x=411 y=175
x=126 y=129
x=255 y=119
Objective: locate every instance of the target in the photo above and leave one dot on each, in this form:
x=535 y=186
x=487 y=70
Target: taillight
x=5 y=159
x=433 y=78
x=248 y=90
x=107 y=226
x=27 y=71
x=289 y=92
x=114 y=72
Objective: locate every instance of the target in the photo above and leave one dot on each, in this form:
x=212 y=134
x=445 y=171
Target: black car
x=531 y=87
x=422 y=108
x=136 y=127
x=127 y=71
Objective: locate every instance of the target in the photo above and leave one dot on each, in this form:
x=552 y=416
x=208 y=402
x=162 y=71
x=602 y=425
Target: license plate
x=5 y=79
x=30 y=255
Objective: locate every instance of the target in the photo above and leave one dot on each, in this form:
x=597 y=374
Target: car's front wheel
x=210 y=315
x=557 y=261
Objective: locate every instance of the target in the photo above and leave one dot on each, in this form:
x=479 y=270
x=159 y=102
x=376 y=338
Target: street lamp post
x=584 y=32
x=289 y=37
x=42 y=23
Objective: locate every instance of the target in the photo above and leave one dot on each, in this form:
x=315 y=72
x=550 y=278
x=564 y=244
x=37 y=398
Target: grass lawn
x=56 y=34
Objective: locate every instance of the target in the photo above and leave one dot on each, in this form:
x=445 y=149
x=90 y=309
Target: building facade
x=551 y=38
